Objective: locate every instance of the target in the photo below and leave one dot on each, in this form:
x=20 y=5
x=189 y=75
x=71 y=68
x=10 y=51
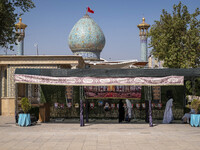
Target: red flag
x=90 y=10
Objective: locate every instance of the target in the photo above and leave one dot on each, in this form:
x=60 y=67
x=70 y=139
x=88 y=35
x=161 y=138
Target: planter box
x=24 y=120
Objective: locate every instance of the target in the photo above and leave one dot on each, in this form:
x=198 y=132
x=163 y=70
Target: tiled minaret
x=143 y=39
x=20 y=31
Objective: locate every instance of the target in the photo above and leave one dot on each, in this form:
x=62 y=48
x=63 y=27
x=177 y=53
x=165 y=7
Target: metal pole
x=146 y=104
x=81 y=107
x=150 y=110
x=37 y=51
x=184 y=96
x=86 y=105
x=16 y=103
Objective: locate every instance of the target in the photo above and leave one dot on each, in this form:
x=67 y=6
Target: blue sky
x=51 y=21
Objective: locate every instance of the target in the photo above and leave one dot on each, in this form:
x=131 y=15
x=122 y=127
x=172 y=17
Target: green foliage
x=25 y=104
x=176 y=38
x=76 y=94
x=188 y=86
x=178 y=95
x=52 y=93
x=8 y=18
x=193 y=88
x=196 y=105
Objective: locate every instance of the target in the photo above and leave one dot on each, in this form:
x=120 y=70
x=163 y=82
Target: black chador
x=121 y=111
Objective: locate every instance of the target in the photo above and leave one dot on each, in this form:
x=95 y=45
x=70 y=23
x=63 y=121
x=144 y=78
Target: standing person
x=168 y=115
x=129 y=107
x=121 y=111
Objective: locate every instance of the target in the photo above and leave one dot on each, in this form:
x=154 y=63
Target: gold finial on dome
x=143 y=20
x=20 y=25
x=143 y=25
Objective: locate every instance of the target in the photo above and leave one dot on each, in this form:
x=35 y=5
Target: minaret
x=20 y=31
x=143 y=39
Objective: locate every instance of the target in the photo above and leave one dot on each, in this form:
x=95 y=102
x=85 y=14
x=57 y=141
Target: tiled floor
x=98 y=135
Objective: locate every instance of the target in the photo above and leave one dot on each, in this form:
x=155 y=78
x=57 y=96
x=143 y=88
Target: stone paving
x=102 y=135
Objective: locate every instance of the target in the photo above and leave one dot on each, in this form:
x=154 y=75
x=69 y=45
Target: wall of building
x=3 y=83
x=8 y=98
x=7 y=106
x=154 y=62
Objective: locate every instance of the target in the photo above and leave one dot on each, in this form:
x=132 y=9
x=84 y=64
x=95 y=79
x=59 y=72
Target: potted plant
x=195 y=105
x=24 y=118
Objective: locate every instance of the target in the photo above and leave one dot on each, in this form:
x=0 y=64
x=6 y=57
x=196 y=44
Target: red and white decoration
x=159 y=105
x=92 y=105
x=143 y=105
x=91 y=81
x=138 y=105
x=112 y=106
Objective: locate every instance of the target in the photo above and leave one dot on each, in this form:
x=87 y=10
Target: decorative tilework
x=86 y=38
x=1 y=79
x=11 y=72
x=143 y=46
x=20 y=47
x=88 y=55
x=3 y=82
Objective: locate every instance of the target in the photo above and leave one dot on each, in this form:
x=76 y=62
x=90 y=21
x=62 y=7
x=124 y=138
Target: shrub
x=25 y=104
x=196 y=105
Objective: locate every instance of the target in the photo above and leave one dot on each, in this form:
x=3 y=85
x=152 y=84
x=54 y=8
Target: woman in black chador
x=121 y=111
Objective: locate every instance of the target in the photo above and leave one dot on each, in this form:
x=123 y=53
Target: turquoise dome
x=86 y=39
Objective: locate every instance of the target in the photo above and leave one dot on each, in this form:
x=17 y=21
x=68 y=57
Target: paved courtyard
x=98 y=135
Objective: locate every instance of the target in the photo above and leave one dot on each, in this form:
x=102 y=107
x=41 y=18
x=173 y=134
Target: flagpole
x=86 y=10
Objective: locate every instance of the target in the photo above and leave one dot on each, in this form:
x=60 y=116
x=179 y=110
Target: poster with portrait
x=113 y=92
x=156 y=93
x=69 y=92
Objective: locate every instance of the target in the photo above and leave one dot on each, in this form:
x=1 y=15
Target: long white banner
x=92 y=81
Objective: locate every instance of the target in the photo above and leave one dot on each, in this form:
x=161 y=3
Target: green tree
x=193 y=87
x=8 y=18
x=176 y=38
x=25 y=104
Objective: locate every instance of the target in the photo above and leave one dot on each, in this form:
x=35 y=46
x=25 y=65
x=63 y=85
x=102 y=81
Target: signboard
x=156 y=93
x=69 y=92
